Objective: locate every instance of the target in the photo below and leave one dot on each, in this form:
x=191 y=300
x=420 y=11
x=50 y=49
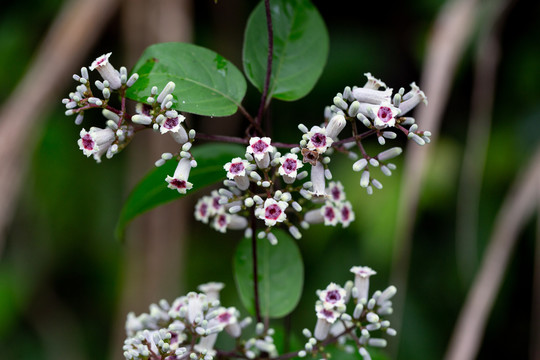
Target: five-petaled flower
x=181 y=175
x=272 y=212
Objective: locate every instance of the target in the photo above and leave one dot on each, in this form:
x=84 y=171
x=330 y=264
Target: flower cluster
x=365 y=319
x=188 y=327
x=120 y=127
x=274 y=188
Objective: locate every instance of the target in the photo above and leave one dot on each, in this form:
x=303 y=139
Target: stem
x=354 y=138
x=268 y=62
x=255 y=266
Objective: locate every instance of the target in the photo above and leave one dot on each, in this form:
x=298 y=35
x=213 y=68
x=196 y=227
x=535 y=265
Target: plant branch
x=268 y=62
x=253 y=221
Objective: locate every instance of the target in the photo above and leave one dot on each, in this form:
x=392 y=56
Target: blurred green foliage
x=61 y=271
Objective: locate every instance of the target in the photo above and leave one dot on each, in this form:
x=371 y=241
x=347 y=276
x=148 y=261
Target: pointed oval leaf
x=281 y=275
x=300 y=48
x=152 y=190
x=206 y=83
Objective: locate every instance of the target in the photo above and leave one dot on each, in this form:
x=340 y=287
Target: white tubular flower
x=371 y=96
x=335 y=191
x=211 y=290
x=107 y=71
x=346 y=213
x=221 y=222
x=181 y=136
x=181 y=175
x=202 y=209
x=361 y=280
x=414 y=97
x=133 y=324
x=172 y=124
x=261 y=149
x=318 y=140
x=236 y=170
x=195 y=304
x=272 y=212
x=333 y=296
x=289 y=167
x=318 y=180
x=385 y=115
x=335 y=125
x=373 y=82
x=325 y=319
x=96 y=142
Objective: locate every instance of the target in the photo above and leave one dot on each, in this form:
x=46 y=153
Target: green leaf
x=206 y=83
x=300 y=48
x=152 y=190
x=281 y=275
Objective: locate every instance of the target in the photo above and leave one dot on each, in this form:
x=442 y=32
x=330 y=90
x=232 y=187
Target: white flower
x=384 y=115
x=96 y=142
x=172 y=124
x=221 y=222
x=181 y=175
x=333 y=296
x=318 y=180
x=107 y=71
x=346 y=213
x=371 y=96
x=335 y=191
x=202 y=209
x=335 y=125
x=195 y=304
x=318 y=140
x=236 y=170
x=331 y=214
x=361 y=280
x=261 y=149
x=211 y=290
x=272 y=212
x=373 y=82
x=325 y=318
x=227 y=318
x=412 y=98
x=289 y=167
x=215 y=206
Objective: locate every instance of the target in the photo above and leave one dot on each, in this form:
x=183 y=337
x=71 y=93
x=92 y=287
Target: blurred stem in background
x=451 y=34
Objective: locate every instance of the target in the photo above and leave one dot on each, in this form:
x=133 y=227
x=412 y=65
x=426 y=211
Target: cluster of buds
x=367 y=317
x=188 y=327
x=272 y=186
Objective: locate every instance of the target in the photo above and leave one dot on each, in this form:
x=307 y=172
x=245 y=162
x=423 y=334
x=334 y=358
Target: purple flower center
x=88 y=142
x=272 y=212
x=328 y=314
x=203 y=209
x=289 y=165
x=215 y=203
x=329 y=213
x=318 y=140
x=385 y=114
x=333 y=296
x=336 y=193
x=222 y=220
x=259 y=147
x=170 y=123
x=225 y=317
x=179 y=184
x=236 y=168
x=345 y=213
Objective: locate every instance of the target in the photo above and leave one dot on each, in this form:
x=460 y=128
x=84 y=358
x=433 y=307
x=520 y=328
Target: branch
x=268 y=62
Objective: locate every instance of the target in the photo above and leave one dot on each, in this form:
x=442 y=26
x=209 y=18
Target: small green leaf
x=152 y=190
x=281 y=275
x=206 y=83
x=300 y=48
